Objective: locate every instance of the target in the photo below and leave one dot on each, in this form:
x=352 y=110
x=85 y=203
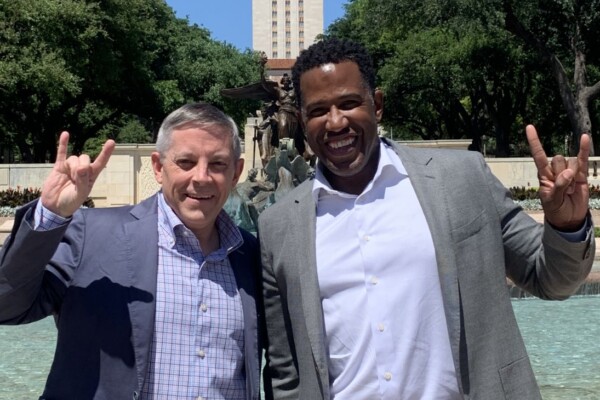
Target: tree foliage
x=109 y=69
x=452 y=69
x=564 y=35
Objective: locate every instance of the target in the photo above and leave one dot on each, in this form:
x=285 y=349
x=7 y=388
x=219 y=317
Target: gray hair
x=199 y=115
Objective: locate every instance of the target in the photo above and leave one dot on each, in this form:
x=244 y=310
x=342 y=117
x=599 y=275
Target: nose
x=336 y=120
x=201 y=173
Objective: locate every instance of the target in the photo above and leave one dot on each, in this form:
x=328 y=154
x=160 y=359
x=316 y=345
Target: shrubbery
x=17 y=197
x=11 y=199
x=523 y=193
x=528 y=197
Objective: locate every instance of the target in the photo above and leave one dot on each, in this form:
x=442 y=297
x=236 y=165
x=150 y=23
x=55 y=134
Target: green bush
x=523 y=193
x=594 y=192
x=18 y=197
x=12 y=198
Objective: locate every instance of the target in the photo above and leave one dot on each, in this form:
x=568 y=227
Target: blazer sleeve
x=538 y=259
x=35 y=267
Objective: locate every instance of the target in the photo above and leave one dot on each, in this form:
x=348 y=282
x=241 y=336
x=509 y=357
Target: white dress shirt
x=385 y=325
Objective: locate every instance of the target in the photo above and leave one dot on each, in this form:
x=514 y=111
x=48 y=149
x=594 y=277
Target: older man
x=152 y=301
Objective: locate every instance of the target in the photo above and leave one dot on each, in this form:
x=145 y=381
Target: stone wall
x=522 y=172
x=128 y=178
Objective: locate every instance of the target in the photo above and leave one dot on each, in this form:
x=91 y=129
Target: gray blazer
x=480 y=238
x=98 y=278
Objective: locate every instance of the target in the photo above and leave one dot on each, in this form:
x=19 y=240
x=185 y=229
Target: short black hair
x=333 y=50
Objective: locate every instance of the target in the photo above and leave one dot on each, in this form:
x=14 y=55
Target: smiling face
x=340 y=118
x=196 y=174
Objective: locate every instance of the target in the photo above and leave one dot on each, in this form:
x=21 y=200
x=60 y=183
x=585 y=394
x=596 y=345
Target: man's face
x=197 y=174
x=340 y=119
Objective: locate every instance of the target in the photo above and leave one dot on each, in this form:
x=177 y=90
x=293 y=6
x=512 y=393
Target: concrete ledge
x=5 y=227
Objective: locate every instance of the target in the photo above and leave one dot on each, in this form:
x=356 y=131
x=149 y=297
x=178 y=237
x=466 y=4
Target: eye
x=316 y=112
x=185 y=164
x=350 y=104
x=218 y=165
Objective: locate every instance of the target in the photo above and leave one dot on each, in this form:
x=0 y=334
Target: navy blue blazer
x=97 y=277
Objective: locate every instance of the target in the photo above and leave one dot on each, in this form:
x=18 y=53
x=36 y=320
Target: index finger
x=537 y=151
x=102 y=159
x=63 y=144
x=584 y=152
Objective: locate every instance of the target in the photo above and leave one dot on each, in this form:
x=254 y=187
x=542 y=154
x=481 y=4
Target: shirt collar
x=169 y=223
x=389 y=163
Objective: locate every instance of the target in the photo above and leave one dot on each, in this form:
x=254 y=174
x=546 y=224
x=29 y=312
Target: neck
x=351 y=185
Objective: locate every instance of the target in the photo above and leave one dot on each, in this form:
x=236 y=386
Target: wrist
x=568 y=226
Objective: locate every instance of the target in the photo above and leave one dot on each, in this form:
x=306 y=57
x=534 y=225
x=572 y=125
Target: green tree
x=107 y=69
x=35 y=78
x=565 y=35
x=450 y=69
x=442 y=69
x=202 y=67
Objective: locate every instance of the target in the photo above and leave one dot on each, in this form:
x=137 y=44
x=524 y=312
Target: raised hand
x=71 y=180
x=564 y=190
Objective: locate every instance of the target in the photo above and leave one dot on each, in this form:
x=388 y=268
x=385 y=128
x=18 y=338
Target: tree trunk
x=585 y=96
x=575 y=95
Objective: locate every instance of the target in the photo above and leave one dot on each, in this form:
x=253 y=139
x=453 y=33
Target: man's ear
x=378 y=100
x=156 y=166
x=239 y=167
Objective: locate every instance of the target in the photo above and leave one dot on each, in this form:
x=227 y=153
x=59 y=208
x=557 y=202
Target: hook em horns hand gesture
x=71 y=180
x=564 y=190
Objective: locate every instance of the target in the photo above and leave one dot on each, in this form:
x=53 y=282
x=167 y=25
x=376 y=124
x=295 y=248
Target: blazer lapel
x=241 y=262
x=141 y=236
x=303 y=219
x=426 y=179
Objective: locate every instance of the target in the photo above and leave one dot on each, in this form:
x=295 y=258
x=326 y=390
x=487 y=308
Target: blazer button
x=136 y=396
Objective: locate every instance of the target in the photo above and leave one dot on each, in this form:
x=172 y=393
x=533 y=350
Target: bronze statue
x=280 y=118
x=287 y=121
x=284 y=153
x=266 y=128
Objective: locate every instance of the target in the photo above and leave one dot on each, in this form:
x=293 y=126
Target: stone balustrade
x=128 y=178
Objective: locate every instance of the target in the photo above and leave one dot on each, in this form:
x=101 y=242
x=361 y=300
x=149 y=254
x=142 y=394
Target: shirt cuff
x=44 y=219
x=578 y=236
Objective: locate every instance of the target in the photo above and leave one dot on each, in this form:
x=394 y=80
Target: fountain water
x=561 y=338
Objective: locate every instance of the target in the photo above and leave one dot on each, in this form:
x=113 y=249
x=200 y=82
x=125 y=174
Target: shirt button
x=374 y=280
x=367 y=238
x=203 y=307
x=387 y=376
x=199 y=398
x=380 y=327
x=201 y=353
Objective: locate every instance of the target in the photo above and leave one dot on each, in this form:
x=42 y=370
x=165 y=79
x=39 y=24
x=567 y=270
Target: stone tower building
x=282 y=28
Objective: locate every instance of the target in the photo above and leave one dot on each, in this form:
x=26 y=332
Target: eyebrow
x=344 y=97
x=222 y=153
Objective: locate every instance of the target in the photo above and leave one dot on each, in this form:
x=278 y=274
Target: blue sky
x=231 y=20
